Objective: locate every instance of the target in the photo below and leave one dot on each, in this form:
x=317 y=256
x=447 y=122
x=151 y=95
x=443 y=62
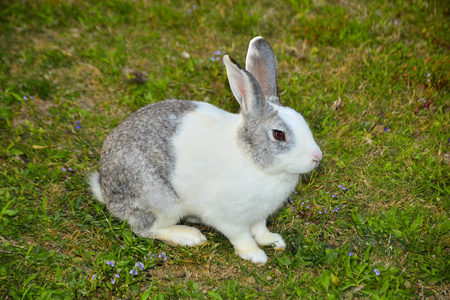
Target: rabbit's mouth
x=317 y=163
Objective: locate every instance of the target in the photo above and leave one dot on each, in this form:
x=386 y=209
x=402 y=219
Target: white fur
x=306 y=155
x=95 y=187
x=207 y=156
x=219 y=183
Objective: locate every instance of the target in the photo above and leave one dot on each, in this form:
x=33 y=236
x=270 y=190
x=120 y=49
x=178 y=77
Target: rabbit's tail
x=94 y=181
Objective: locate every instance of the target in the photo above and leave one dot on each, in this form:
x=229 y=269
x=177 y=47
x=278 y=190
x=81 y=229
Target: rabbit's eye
x=279 y=135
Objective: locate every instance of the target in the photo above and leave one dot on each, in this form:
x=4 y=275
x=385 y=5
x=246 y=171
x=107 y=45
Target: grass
x=370 y=77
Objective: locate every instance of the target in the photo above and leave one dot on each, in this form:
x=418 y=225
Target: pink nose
x=316 y=155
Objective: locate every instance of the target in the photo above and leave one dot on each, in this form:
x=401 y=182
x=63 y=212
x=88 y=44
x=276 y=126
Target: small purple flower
x=325 y=211
x=333 y=196
x=32 y=97
x=194 y=7
x=428 y=74
x=386 y=129
x=78 y=127
x=350 y=254
x=162 y=255
x=110 y=263
x=320 y=212
x=216 y=55
x=64 y=170
x=25 y=97
x=307 y=207
x=116 y=275
x=291 y=200
x=113 y=281
x=339 y=186
x=134 y=270
x=78 y=122
x=94 y=277
x=139 y=265
x=70 y=169
x=295 y=192
x=395 y=22
x=377 y=272
x=428 y=80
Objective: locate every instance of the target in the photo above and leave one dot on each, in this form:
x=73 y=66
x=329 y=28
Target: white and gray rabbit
x=178 y=159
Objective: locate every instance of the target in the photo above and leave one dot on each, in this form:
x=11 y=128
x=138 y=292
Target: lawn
x=370 y=77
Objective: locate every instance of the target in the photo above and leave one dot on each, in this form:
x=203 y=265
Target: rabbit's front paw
x=279 y=244
x=267 y=238
x=255 y=255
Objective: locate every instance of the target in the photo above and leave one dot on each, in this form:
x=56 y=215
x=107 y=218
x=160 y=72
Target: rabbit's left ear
x=245 y=89
x=261 y=62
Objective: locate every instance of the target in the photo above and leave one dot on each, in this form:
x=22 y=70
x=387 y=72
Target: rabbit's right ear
x=245 y=89
x=261 y=62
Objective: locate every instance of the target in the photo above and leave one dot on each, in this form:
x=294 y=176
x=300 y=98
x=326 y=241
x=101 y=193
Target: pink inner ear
x=242 y=91
x=244 y=94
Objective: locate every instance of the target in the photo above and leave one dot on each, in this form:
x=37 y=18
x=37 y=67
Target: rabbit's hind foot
x=179 y=235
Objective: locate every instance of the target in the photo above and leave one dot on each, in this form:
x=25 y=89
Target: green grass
x=370 y=77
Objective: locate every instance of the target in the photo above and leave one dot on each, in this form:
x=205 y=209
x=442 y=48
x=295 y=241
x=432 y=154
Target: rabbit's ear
x=245 y=88
x=261 y=62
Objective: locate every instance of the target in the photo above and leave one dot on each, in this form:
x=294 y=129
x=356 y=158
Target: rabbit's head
x=276 y=137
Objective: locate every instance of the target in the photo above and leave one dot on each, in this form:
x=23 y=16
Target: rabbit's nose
x=317 y=155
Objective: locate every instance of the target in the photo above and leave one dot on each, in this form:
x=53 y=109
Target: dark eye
x=279 y=135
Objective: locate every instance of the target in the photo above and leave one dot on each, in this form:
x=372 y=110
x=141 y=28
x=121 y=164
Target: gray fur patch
x=137 y=162
x=255 y=138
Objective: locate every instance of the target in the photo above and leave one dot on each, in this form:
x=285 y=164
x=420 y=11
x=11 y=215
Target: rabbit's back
x=137 y=160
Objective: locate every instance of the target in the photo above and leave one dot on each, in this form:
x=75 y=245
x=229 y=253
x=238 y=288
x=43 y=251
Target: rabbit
x=179 y=159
